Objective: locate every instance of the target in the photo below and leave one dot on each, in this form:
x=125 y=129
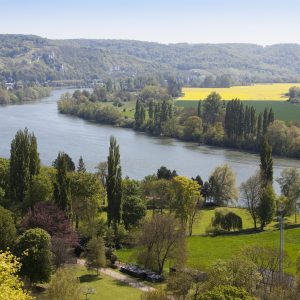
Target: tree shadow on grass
x=120 y=283
x=89 y=278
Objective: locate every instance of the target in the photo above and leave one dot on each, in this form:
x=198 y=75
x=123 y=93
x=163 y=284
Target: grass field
x=204 y=250
x=276 y=91
x=282 y=109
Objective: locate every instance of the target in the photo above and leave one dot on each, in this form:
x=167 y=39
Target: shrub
x=227 y=220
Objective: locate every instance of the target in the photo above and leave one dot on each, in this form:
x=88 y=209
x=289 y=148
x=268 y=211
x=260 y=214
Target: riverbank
x=141 y=154
x=123 y=114
x=23 y=94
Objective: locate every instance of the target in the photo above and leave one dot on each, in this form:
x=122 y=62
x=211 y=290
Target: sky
x=261 y=22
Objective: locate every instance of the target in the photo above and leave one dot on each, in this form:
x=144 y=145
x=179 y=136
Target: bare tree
x=250 y=193
x=161 y=240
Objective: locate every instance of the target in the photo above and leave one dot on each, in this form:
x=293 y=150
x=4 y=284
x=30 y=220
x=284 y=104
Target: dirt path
x=122 y=278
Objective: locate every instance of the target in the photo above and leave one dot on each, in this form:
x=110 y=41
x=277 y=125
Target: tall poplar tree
x=24 y=164
x=114 y=183
x=266 y=163
x=62 y=189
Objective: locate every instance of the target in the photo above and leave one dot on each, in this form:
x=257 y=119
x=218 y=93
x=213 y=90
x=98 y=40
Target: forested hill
x=26 y=57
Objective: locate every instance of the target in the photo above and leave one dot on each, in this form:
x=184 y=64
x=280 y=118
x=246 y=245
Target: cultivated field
x=283 y=110
x=275 y=91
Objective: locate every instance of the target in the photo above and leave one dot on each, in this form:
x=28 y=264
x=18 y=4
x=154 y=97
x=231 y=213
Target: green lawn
x=204 y=250
x=105 y=287
x=283 y=110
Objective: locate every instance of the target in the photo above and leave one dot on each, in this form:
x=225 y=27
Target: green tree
x=133 y=211
x=64 y=285
x=87 y=196
x=81 y=165
x=114 y=183
x=212 y=107
x=68 y=160
x=223 y=185
x=266 y=163
x=62 y=190
x=24 y=164
x=7 y=229
x=186 y=201
x=266 y=206
x=226 y=292
x=34 y=249
x=95 y=254
x=41 y=189
x=289 y=182
x=193 y=129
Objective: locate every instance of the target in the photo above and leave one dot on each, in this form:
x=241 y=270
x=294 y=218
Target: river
x=140 y=154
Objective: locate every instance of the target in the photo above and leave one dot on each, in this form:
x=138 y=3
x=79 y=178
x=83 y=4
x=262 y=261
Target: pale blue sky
x=166 y=21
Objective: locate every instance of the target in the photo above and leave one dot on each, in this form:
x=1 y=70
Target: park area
x=205 y=249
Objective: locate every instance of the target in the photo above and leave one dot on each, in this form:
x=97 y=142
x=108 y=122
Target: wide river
x=140 y=154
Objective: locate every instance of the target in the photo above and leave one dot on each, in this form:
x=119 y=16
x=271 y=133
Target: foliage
x=133 y=211
x=87 y=195
x=95 y=254
x=21 y=94
x=294 y=94
x=68 y=160
x=64 y=285
x=227 y=220
x=289 y=182
x=186 y=200
x=34 y=249
x=223 y=188
x=40 y=190
x=24 y=164
x=160 y=241
x=114 y=183
x=11 y=287
x=49 y=217
x=266 y=163
x=226 y=293
x=180 y=284
x=7 y=229
x=62 y=189
x=251 y=192
x=158 y=294
x=165 y=173
x=238 y=271
x=266 y=206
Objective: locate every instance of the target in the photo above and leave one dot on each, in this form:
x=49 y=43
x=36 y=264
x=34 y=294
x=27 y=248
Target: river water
x=140 y=154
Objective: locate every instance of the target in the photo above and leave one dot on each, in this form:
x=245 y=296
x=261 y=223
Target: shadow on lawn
x=89 y=278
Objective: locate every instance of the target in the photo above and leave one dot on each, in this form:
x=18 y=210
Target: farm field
x=204 y=250
x=282 y=109
x=257 y=92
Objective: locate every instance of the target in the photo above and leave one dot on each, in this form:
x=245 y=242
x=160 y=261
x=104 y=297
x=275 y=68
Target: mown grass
x=276 y=91
x=105 y=287
x=282 y=109
x=204 y=250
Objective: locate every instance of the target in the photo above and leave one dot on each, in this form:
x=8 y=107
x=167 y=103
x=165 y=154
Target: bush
x=7 y=229
x=33 y=248
x=227 y=220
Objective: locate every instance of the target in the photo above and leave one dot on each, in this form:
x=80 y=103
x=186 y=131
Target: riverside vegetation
x=51 y=215
x=212 y=121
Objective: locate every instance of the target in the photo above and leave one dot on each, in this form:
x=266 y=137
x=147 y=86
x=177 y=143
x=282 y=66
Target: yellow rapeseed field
x=276 y=91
